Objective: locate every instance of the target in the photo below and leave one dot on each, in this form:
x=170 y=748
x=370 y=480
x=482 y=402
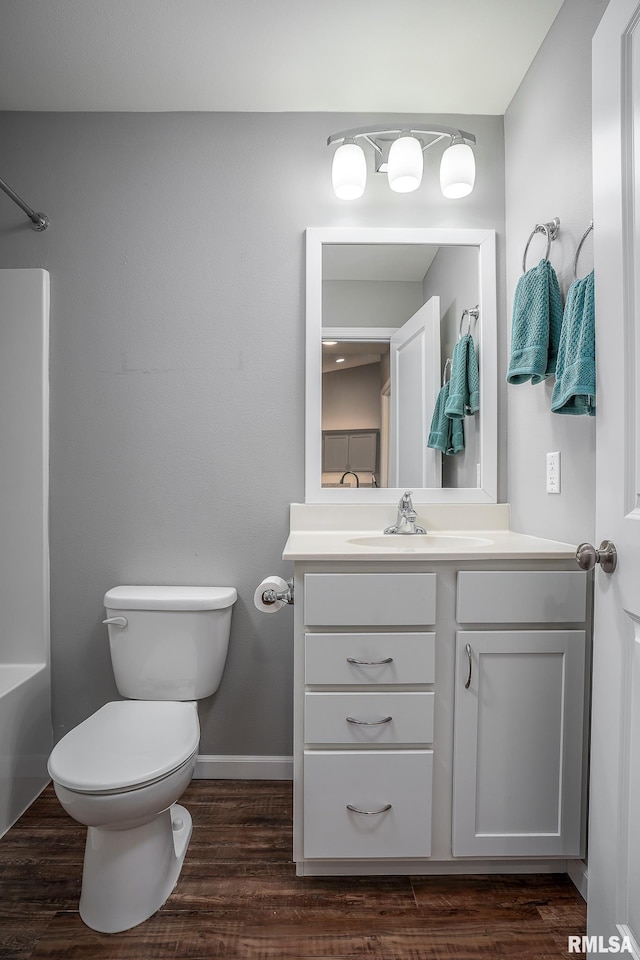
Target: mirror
x=385 y=309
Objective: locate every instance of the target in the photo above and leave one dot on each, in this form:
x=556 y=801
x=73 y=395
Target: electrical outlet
x=553 y=472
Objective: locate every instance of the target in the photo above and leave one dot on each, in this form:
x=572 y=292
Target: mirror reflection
x=383 y=317
x=391 y=317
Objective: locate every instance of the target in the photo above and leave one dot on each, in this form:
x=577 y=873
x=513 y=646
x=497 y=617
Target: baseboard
x=243 y=768
x=579 y=875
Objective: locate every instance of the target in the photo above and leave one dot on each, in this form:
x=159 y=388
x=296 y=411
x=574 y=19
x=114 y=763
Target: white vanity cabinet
x=439 y=716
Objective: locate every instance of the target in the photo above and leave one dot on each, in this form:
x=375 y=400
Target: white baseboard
x=243 y=768
x=579 y=875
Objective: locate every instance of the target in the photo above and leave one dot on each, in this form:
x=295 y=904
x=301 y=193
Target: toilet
x=121 y=771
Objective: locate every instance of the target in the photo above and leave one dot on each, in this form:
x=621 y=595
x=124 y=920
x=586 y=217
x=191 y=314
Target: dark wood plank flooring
x=238 y=897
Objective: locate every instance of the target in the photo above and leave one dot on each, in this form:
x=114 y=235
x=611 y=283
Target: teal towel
x=575 y=387
x=535 y=329
x=446 y=435
x=464 y=385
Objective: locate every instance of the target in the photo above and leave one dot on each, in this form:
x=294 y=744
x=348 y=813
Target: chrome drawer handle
x=369 y=813
x=468 y=652
x=370 y=663
x=369 y=723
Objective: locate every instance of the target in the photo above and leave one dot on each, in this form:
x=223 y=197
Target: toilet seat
x=125 y=745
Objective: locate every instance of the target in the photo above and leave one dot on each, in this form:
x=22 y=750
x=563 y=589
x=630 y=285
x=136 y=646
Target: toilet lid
x=126 y=744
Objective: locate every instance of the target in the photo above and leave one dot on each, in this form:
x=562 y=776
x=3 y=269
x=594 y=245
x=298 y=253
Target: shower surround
x=25 y=688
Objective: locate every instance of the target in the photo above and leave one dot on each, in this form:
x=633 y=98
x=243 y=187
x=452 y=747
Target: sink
x=419 y=541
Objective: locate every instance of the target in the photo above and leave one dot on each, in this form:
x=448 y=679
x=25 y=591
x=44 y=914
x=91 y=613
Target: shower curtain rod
x=39 y=221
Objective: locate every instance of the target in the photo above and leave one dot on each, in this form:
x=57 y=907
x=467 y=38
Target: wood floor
x=238 y=897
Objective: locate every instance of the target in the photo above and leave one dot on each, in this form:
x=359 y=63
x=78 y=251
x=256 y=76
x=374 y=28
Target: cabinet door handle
x=369 y=813
x=369 y=723
x=468 y=680
x=370 y=663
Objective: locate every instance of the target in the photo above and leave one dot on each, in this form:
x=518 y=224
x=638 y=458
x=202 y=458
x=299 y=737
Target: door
x=415 y=381
x=518 y=735
x=614 y=832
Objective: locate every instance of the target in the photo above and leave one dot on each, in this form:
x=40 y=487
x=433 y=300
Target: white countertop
x=454 y=532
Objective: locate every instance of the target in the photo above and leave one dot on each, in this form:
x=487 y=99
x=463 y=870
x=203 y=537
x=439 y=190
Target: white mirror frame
x=485 y=241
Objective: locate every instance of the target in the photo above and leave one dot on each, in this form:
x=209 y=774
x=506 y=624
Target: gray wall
x=548 y=174
x=176 y=253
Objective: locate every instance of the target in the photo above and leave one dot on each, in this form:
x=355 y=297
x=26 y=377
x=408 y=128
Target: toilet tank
x=168 y=643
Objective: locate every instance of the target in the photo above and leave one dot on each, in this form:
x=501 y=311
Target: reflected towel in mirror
x=464 y=384
x=446 y=434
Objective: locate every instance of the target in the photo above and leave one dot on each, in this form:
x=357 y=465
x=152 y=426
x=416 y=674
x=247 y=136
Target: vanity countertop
x=460 y=532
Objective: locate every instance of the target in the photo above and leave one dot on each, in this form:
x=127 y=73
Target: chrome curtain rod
x=39 y=221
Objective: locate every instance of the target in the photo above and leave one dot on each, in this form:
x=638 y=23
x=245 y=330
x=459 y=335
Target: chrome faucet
x=350 y=473
x=406 y=519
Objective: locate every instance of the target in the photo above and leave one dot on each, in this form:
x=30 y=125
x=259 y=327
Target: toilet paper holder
x=272 y=596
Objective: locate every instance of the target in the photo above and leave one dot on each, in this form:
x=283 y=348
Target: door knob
x=606 y=555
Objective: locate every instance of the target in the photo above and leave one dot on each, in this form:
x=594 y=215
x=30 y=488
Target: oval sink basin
x=421 y=541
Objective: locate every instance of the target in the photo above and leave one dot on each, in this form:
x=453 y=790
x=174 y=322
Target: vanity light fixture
x=399 y=152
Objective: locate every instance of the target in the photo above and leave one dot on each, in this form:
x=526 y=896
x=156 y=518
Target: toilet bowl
x=121 y=771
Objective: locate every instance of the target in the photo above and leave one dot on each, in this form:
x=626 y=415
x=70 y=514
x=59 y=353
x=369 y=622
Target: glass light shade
x=349 y=171
x=457 y=171
x=405 y=164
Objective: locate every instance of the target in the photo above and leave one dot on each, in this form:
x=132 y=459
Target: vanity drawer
x=369 y=781
x=380 y=599
x=521 y=596
x=359 y=718
x=329 y=656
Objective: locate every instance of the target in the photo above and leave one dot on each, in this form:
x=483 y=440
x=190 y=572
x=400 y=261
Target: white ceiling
x=409 y=56
x=376 y=261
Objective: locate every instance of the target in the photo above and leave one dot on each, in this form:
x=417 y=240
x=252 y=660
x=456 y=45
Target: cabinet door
x=363 y=452
x=335 y=452
x=518 y=743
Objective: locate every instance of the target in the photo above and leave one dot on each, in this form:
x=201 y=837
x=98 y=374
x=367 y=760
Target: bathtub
x=25 y=737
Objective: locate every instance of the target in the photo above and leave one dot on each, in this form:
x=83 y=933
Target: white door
x=614 y=833
x=415 y=381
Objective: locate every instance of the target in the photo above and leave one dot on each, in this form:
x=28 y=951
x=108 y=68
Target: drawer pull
x=468 y=652
x=369 y=813
x=370 y=663
x=369 y=723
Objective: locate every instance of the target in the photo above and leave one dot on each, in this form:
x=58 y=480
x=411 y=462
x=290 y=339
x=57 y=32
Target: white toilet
x=121 y=771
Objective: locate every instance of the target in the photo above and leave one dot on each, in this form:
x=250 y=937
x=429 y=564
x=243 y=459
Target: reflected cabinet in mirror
x=401 y=367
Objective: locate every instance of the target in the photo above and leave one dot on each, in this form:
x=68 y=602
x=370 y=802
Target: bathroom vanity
x=441 y=685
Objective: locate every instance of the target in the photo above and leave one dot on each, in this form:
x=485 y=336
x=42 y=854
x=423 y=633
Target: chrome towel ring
x=473 y=315
x=550 y=229
x=582 y=240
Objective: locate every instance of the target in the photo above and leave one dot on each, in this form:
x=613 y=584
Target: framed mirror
x=385 y=310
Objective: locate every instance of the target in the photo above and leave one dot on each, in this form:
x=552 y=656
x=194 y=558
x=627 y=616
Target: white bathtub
x=25 y=737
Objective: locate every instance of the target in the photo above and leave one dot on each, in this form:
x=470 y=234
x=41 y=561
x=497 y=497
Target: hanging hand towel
x=535 y=329
x=575 y=387
x=446 y=435
x=464 y=386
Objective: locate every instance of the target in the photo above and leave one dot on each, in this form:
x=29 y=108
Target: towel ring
x=582 y=240
x=551 y=230
x=447 y=369
x=473 y=315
